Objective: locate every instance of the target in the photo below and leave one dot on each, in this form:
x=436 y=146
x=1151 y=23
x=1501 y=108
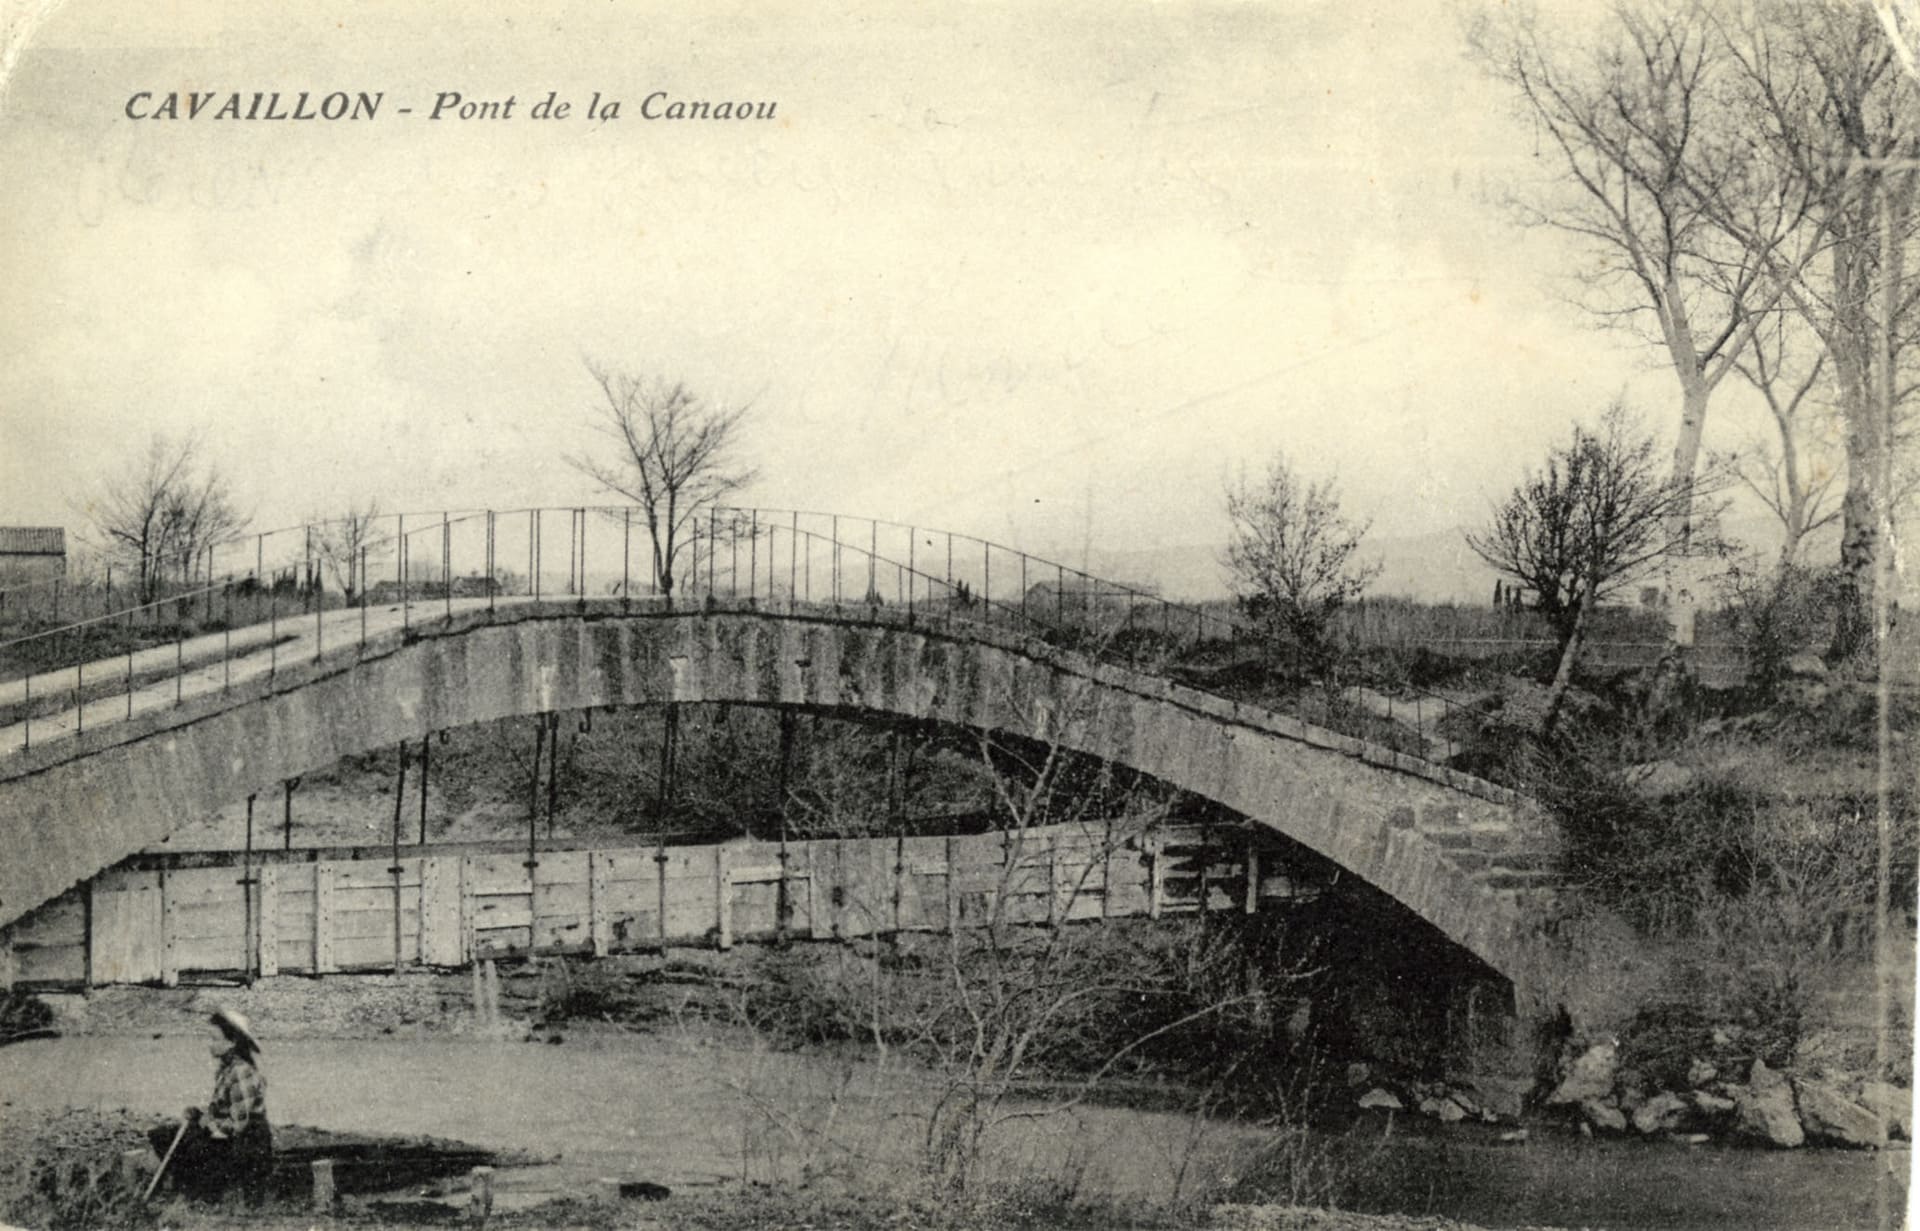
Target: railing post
x=836 y=560
x=446 y=561
x=912 y=535
x=400 y=569
x=753 y=555
x=793 y=559
x=626 y=555
x=986 y=583
x=491 y=585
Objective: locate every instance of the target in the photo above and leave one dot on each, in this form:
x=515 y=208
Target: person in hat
x=229 y=1145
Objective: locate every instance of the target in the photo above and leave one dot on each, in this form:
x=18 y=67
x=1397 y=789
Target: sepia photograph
x=1201 y=615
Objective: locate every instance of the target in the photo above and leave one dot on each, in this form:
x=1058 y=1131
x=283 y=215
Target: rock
x=1603 y=1115
x=1444 y=1110
x=1514 y=1136
x=1724 y=1035
x=1894 y=1103
x=1828 y=1115
x=1358 y=1072
x=1591 y=1077
x=1659 y=1114
x=1467 y=1102
x=1377 y=1097
x=1692 y=1139
x=1711 y=1104
x=1765 y=1108
x=1699 y=1073
x=1659 y=779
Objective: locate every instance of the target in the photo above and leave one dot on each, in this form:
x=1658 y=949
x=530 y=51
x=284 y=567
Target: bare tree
x=1792 y=478
x=1292 y=556
x=1648 y=166
x=163 y=510
x=1598 y=517
x=344 y=545
x=1833 y=107
x=676 y=452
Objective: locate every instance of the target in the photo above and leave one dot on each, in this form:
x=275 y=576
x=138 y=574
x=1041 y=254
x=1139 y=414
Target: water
x=672 y=1110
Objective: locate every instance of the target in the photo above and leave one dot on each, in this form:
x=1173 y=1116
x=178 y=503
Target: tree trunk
x=1677 y=574
x=1569 y=651
x=1860 y=511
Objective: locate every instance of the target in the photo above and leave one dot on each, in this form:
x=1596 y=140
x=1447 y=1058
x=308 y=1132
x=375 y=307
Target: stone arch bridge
x=1463 y=855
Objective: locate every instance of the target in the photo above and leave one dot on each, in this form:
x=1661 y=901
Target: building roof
x=33 y=541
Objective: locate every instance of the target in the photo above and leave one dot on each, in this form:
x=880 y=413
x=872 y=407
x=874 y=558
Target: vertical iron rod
x=251 y=948
x=399 y=802
x=406 y=596
x=553 y=771
x=426 y=760
x=446 y=562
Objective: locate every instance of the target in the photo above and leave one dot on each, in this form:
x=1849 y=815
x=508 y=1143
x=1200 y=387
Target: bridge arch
x=70 y=808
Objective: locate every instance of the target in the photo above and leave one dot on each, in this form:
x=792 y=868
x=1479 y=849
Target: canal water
x=674 y=1111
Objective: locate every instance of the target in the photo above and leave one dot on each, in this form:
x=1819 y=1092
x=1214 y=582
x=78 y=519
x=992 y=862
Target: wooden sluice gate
x=161 y=919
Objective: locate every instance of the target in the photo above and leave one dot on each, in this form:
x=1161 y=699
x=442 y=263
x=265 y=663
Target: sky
x=1048 y=274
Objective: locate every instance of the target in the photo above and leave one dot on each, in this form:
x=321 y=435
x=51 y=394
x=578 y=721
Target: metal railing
x=301 y=589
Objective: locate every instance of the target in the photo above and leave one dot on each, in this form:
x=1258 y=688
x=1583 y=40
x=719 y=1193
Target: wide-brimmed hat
x=236 y=1025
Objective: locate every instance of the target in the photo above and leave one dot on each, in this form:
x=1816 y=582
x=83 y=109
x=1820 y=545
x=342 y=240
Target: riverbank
x=728 y=1124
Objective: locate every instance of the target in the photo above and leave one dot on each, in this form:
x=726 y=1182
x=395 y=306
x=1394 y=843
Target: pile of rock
x=1447 y=1102
x=1764 y=1105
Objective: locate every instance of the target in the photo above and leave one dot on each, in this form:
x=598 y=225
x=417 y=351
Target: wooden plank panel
x=563 y=932
x=756 y=909
x=372 y=952
x=628 y=865
x=562 y=868
x=211 y=920
x=296 y=955
x=62 y=921
x=361 y=924
x=346 y=900
x=195 y=886
x=65 y=964
x=597 y=893
x=569 y=898
x=126 y=928
x=499 y=942
x=496 y=874
x=502 y=911
x=442 y=941
x=632 y=928
x=267 y=921
x=210 y=952
x=323 y=960
x=375 y=874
